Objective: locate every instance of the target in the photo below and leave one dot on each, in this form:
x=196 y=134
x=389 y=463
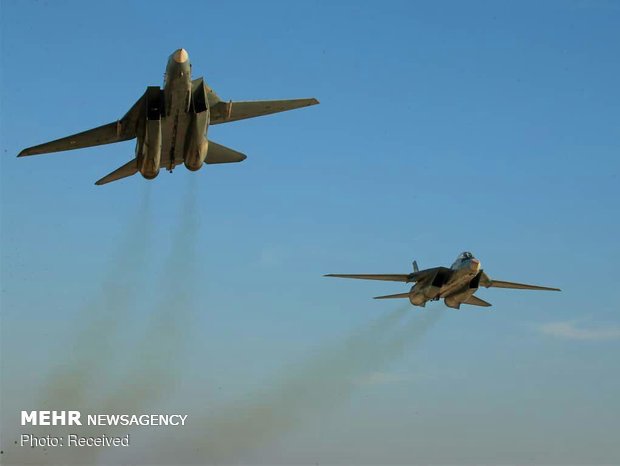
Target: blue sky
x=443 y=126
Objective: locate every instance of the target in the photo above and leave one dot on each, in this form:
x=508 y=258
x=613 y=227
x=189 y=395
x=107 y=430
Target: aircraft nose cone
x=180 y=56
x=474 y=264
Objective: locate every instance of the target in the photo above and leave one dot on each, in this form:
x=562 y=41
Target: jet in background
x=171 y=125
x=455 y=285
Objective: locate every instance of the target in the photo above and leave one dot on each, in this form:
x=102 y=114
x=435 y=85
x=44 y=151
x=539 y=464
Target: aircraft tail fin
x=212 y=97
x=129 y=169
x=216 y=153
x=415 y=266
x=393 y=296
x=475 y=301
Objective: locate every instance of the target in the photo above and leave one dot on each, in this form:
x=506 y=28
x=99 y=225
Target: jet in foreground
x=171 y=124
x=455 y=285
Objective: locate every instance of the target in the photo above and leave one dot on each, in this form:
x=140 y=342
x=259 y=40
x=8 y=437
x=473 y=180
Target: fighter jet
x=171 y=125
x=455 y=285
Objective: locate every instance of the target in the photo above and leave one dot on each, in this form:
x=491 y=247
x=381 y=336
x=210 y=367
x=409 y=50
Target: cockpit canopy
x=463 y=257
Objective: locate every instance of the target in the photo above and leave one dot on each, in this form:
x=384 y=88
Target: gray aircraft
x=171 y=125
x=455 y=285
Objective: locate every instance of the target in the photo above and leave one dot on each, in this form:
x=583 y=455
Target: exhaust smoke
x=313 y=390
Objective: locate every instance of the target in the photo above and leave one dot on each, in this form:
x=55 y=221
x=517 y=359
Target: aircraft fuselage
x=454 y=290
x=174 y=132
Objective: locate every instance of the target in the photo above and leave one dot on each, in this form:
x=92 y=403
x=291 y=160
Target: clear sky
x=443 y=126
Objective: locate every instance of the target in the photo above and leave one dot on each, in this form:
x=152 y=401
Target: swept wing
x=223 y=112
x=117 y=131
x=384 y=277
x=487 y=282
x=420 y=275
x=393 y=296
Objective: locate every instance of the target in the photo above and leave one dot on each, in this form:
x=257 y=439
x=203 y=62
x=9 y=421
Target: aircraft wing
x=121 y=130
x=393 y=296
x=426 y=274
x=387 y=277
x=488 y=283
x=223 y=112
x=519 y=286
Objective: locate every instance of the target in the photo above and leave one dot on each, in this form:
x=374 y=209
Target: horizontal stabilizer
x=475 y=301
x=129 y=169
x=388 y=278
x=393 y=296
x=223 y=112
x=221 y=154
